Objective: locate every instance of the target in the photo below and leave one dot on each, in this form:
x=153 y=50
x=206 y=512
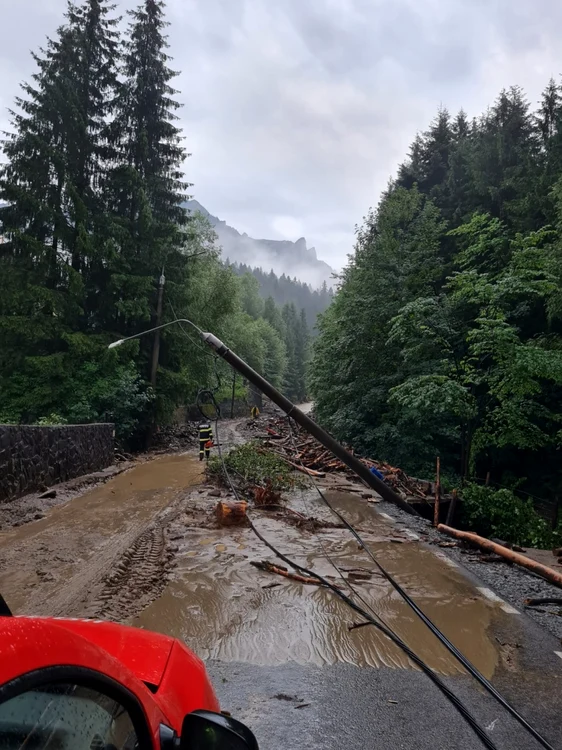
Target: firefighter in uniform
x=205 y=440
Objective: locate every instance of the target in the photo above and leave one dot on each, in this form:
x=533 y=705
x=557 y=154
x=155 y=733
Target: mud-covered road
x=144 y=548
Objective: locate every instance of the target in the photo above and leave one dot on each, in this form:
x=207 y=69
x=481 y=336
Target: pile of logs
x=306 y=454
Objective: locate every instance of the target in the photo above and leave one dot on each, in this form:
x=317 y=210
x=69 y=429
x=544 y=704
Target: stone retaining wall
x=33 y=458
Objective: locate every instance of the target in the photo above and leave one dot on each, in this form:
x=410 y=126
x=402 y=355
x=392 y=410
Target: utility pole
x=156 y=347
x=233 y=393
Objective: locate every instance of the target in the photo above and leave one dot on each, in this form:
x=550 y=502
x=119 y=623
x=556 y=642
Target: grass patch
x=257 y=466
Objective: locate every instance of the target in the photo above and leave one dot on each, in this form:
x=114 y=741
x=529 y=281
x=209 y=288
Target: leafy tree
x=353 y=368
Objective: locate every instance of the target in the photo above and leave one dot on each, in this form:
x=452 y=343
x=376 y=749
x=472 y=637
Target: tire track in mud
x=138 y=578
x=63 y=564
x=141 y=573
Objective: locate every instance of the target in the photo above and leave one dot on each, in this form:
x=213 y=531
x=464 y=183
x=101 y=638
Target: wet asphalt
x=342 y=706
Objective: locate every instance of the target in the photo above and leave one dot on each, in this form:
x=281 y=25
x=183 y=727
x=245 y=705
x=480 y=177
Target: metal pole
x=233 y=394
x=309 y=425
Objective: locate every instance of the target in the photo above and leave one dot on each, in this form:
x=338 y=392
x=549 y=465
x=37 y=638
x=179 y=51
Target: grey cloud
x=304 y=109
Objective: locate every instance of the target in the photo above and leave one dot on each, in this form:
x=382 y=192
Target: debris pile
x=306 y=454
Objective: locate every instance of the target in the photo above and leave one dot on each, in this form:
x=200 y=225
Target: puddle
x=225 y=609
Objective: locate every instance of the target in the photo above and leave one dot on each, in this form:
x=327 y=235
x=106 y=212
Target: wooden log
x=541 y=570
x=270 y=568
x=231 y=513
x=538 y=602
x=305 y=470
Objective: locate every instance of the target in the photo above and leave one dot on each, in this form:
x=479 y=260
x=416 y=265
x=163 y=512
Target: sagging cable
x=456 y=702
x=461 y=658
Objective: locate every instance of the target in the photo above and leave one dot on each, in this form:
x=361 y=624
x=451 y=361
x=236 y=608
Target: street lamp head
x=115 y=344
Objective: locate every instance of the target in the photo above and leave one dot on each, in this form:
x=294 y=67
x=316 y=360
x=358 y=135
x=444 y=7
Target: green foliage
x=445 y=336
x=51 y=420
x=121 y=397
x=283 y=290
x=257 y=466
x=501 y=514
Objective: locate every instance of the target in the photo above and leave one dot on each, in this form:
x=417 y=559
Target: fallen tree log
x=538 y=602
x=270 y=568
x=305 y=470
x=541 y=570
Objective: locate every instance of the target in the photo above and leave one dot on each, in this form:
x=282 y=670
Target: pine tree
x=54 y=219
x=147 y=189
x=504 y=165
x=549 y=123
x=145 y=126
x=435 y=155
x=412 y=171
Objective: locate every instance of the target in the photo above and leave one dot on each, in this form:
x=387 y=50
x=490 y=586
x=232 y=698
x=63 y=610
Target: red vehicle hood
x=144 y=653
x=175 y=675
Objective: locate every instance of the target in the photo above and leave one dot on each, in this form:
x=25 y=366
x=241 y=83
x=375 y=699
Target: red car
x=89 y=685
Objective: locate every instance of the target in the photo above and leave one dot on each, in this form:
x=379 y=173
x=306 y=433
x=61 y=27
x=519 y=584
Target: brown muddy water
x=146 y=542
x=225 y=609
x=48 y=566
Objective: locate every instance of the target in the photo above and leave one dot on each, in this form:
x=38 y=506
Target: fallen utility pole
x=541 y=570
x=309 y=425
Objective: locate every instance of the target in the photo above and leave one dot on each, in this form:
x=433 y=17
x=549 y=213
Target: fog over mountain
x=294 y=259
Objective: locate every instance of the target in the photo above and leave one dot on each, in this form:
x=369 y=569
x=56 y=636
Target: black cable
x=431 y=625
x=339 y=571
x=459 y=705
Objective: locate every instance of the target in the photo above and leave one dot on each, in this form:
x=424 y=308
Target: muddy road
x=144 y=549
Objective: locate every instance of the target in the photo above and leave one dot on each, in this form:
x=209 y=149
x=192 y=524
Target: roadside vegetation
x=445 y=337
x=91 y=214
x=256 y=467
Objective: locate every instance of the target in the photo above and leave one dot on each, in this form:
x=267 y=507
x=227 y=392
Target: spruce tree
x=146 y=194
x=53 y=221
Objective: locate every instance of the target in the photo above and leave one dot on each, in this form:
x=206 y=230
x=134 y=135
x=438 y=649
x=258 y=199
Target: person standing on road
x=255 y=412
x=205 y=440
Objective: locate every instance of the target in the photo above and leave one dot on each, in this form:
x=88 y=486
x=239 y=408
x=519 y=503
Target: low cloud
x=298 y=113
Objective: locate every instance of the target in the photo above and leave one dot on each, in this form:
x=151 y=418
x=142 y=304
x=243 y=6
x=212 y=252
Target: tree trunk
x=231 y=513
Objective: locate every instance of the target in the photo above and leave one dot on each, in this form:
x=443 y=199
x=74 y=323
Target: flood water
x=225 y=609
x=44 y=562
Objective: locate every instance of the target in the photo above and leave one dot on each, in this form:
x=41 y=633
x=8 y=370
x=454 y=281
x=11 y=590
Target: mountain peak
x=294 y=259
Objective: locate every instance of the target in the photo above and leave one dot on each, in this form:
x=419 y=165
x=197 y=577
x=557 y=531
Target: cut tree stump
x=231 y=513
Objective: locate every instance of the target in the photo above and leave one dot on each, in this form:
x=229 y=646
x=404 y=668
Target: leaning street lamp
x=288 y=407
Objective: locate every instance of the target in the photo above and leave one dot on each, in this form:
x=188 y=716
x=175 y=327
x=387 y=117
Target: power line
x=429 y=623
x=457 y=703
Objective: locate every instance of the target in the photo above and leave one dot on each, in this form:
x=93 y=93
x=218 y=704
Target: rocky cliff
x=281 y=256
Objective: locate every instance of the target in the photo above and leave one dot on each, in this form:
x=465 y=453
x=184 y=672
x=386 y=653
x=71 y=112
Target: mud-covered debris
x=48 y=493
x=175 y=437
x=266 y=495
x=305 y=453
x=231 y=513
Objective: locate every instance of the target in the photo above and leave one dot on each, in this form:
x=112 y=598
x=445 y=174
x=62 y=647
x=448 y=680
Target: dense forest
x=445 y=337
x=91 y=188
x=284 y=290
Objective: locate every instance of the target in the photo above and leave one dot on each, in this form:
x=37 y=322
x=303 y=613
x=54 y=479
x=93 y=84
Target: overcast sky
x=297 y=112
